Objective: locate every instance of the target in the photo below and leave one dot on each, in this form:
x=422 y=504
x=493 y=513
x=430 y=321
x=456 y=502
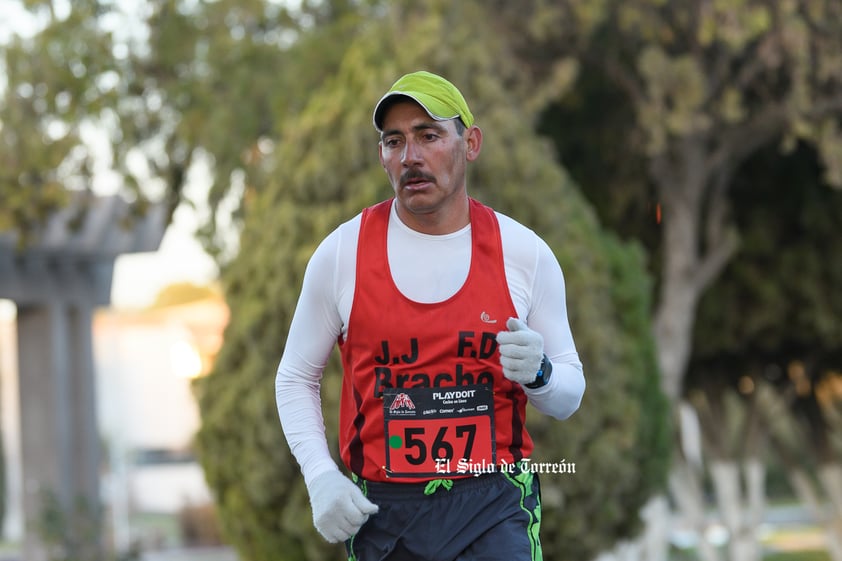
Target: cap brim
x=421 y=99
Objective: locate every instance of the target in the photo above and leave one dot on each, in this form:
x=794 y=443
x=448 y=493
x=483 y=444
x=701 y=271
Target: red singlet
x=423 y=392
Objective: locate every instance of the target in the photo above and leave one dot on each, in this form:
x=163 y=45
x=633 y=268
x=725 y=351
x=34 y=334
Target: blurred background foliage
x=327 y=170
x=679 y=157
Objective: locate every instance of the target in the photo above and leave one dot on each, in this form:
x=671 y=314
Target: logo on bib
x=401 y=401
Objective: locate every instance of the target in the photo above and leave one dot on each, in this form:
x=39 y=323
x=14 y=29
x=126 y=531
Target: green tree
x=226 y=75
x=50 y=92
x=143 y=98
x=706 y=85
x=672 y=99
x=772 y=321
x=91 y=93
x=323 y=171
x=778 y=301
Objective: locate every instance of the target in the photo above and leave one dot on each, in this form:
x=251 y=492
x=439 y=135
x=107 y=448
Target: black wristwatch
x=543 y=375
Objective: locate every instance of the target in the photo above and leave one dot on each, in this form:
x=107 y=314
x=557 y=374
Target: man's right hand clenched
x=339 y=507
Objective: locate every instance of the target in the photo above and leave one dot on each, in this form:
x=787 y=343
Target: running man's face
x=426 y=161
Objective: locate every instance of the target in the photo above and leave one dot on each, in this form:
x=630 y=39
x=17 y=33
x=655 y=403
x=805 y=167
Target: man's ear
x=473 y=137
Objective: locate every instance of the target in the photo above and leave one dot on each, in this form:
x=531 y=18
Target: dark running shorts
x=493 y=517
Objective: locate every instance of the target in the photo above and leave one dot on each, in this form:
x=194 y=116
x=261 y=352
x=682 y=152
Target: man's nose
x=411 y=153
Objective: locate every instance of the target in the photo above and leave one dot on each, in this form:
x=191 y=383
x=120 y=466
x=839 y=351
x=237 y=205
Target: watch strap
x=542 y=377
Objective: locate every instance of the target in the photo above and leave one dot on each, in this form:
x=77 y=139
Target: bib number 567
x=417 y=439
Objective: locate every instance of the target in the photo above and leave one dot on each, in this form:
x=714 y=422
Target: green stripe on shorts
x=524 y=481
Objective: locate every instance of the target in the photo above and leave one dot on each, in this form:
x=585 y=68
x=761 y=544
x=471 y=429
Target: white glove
x=339 y=507
x=521 y=351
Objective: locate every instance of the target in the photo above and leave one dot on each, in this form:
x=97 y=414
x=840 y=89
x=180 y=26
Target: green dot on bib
x=395 y=441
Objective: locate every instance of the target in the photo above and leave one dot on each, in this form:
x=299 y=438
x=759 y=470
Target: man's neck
x=445 y=220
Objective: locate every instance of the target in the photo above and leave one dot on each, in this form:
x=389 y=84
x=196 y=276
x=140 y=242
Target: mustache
x=414 y=174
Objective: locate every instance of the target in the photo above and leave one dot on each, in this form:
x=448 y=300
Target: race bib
x=435 y=432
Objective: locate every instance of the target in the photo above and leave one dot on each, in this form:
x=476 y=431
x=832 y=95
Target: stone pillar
x=88 y=455
x=56 y=282
x=59 y=437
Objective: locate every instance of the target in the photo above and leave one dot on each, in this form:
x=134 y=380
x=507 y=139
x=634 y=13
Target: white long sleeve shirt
x=425 y=268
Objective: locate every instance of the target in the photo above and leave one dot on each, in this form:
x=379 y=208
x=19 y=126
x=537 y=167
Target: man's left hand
x=521 y=351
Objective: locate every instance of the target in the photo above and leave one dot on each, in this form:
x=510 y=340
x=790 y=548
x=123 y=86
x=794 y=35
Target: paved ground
x=192 y=554
x=179 y=554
